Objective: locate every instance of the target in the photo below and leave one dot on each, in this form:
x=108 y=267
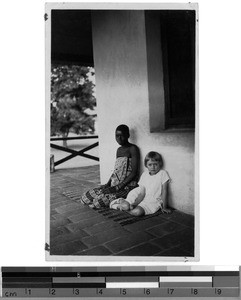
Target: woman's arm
x=106 y=185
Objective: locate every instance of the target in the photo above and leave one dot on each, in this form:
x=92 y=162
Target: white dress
x=150 y=188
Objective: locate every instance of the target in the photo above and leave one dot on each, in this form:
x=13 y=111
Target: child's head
x=153 y=162
x=122 y=134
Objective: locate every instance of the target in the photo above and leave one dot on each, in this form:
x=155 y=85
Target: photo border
x=118 y=260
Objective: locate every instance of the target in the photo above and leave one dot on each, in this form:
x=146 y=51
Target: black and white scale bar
x=54 y=285
x=119 y=274
x=120 y=282
x=126 y=292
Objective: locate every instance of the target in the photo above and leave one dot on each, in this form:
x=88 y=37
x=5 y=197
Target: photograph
x=105 y=94
x=122 y=132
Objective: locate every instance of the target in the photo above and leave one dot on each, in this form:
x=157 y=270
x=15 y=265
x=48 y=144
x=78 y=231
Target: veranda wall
x=129 y=85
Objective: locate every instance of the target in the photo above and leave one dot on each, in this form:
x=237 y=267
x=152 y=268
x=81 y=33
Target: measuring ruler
x=147 y=282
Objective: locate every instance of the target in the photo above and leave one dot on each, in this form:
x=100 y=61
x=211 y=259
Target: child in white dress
x=151 y=195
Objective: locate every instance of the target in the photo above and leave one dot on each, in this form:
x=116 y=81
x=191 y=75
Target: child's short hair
x=155 y=156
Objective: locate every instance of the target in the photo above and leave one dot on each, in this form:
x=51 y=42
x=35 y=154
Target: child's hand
x=161 y=201
x=164 y=210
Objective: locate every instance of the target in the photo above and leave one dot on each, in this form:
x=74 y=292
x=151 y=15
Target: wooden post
x=52 y=163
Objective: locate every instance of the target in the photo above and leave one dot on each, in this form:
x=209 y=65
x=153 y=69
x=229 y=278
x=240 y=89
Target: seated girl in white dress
x=151 y=194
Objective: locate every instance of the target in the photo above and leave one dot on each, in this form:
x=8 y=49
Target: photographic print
x=122 y=132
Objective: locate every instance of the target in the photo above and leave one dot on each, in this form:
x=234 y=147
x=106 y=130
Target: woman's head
x=122 y=134
x=153 y=161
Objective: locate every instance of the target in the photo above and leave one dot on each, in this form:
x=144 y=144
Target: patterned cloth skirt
x=98 y=198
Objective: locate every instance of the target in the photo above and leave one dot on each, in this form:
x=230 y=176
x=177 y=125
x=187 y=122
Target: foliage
x=72 y=96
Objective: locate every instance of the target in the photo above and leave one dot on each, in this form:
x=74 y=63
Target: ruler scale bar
x=116 y=282
x=161 y=292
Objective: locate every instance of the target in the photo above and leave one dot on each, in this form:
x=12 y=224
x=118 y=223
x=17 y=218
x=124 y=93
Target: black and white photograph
x=203 y=162
x=122 y=132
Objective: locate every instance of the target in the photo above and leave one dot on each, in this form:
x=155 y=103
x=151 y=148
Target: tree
x=72 y=94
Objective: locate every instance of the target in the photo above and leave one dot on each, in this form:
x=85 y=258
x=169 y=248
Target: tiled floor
x=75 y=229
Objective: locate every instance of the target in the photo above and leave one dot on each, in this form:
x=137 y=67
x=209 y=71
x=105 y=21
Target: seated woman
x=124 y=177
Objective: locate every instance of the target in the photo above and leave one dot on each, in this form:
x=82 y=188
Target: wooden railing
x=74 y=153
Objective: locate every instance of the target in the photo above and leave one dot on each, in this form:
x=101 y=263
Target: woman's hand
x=112 y=189
x=109 y=190
x=105 y=186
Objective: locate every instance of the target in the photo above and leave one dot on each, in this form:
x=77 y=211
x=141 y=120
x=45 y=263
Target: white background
x=22 y=200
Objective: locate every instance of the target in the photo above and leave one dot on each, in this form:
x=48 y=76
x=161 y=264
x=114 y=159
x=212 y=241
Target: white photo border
x=117 y=260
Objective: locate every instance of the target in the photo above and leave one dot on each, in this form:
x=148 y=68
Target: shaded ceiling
x=71 y=37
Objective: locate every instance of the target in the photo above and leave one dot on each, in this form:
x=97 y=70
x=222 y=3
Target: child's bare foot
x=137 y=212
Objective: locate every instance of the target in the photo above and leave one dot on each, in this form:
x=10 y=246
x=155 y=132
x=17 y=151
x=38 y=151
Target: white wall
x=120 y=58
